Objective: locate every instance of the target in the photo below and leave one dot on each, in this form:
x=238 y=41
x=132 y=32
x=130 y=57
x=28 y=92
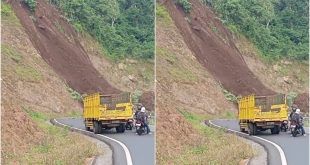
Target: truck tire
x=252 y=129
x=275 y=130
x=121 y=128
x=242 y=129
x=97 y=127
x=87 y=128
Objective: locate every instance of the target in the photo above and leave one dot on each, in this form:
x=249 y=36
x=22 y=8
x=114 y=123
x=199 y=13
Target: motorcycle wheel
x=139 y=131
x=294 y=133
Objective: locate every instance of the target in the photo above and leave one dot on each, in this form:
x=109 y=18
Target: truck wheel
x=252 y=129
x=97 y=127
x=242 y=129
x=275 y=130
x=121 y=128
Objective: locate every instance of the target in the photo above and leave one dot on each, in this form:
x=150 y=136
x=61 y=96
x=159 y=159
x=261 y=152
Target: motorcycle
x=296 y=129
x=129 y=124
x=140 y=127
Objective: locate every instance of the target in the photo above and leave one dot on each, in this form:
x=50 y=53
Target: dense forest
x=125 y=28
x=279 y=28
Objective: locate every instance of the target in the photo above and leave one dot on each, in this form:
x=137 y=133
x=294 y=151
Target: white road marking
x=282 y=155
x=127 y=153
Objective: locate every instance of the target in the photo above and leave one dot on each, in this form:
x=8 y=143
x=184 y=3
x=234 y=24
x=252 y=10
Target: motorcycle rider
x=143 y=117
x=294 y=107
x=297 y=117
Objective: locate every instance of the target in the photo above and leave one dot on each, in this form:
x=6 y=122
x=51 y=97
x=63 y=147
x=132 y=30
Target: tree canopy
x=279 y=28
x=125 y=28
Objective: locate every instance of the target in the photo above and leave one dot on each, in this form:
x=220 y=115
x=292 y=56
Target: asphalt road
x=141 y=148
x=296 y=149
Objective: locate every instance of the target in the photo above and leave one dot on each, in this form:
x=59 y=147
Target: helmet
x=294 y=107
x=142 y=109
x=297 y=111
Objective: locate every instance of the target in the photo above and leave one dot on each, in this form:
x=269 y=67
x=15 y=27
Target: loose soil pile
x=56 y=40
x=302 y=101
x=214 y=48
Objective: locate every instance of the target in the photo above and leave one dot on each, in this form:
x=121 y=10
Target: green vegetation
x=75 y=114
x=57 y=146
x=136 y=95
x=123 y=28
x=226 y=145
x=36 y=116
x=228 y=115
x=11 y=53
x=74 y=94
x=166 y=54
x=187 y=6
x=31 y=4
x=8 y=15
x=279 y=28
x=28 y=73
x=230 y=96
x=6 y=10
x=290 y=98
x=163 y=15
x=183 y=75
x=177 y=72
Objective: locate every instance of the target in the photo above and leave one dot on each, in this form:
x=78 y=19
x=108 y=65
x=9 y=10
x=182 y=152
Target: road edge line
x=127 y=153
x=281 y=152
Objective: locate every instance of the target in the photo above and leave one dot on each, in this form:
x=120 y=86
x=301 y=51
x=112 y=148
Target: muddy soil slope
x=213 y=47
x=56 y=40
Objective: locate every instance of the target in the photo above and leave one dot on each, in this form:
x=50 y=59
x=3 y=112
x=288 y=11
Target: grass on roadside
x=59 y=145
x=213 y=146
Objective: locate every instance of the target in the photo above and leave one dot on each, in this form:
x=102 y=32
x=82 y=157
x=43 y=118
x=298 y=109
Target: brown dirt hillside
x=57 y=42
x=32 y=91
x=214 y=48
x=130 y=75
x=183 y=85
x=302 y=101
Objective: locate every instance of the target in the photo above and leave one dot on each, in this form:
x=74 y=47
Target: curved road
x=141 y=148
x=296 y=149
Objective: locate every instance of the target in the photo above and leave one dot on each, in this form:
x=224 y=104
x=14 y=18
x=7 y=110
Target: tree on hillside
x=279 y=28
x=125 y=28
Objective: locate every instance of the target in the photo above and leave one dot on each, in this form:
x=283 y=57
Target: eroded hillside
x=31 y=94
x=46 y=66
x=186 y=95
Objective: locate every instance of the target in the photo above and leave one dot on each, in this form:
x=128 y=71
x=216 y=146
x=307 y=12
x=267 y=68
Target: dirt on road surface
x=213 y=47
x=56 y=40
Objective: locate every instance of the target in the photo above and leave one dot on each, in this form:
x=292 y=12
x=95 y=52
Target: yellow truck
x=107 y=112
x=259 y=113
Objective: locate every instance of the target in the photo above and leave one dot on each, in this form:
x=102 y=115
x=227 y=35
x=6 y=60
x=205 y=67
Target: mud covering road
x=296 y=149
x=215 y=51
x=56 y=41
x=141 y=148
